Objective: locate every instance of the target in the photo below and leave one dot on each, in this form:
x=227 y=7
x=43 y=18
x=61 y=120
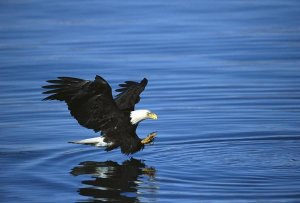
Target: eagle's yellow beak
x=152 y=116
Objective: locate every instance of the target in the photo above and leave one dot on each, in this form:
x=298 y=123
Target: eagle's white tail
x=96 y=141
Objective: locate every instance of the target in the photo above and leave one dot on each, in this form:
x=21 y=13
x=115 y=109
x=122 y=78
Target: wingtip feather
x=144 y=81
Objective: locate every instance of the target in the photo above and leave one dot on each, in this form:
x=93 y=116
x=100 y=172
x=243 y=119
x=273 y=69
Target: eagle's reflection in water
x=113 y=182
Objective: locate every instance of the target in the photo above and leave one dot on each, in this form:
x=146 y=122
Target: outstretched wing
x=90 y=102
x=129 y=94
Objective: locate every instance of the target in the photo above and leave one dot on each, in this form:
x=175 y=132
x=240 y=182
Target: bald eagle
x=91 y=103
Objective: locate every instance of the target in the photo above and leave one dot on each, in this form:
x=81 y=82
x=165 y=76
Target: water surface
x=224 y=79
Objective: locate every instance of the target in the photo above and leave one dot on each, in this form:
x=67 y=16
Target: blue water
x=224 y=78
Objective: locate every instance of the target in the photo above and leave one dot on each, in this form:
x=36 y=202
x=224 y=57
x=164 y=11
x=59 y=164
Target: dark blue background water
x=224 y=78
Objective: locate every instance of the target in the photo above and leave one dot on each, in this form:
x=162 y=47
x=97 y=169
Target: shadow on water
x=113 y=182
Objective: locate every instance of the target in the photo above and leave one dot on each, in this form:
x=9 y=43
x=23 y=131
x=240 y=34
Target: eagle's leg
x=149 y=138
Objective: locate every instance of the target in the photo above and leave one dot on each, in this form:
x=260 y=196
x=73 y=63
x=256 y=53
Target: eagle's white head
x=140 y=115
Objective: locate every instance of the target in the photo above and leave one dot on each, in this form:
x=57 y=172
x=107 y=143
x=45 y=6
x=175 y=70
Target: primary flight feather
x=91 y=103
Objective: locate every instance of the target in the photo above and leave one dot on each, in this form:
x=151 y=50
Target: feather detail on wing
x=129 y=94
x=89 y=102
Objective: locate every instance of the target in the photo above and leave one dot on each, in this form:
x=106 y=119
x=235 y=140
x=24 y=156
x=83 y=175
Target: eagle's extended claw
x=149 y=172
x=149 y=138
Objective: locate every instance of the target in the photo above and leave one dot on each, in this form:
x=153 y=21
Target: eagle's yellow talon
x=149 y=171
x=149 y=138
